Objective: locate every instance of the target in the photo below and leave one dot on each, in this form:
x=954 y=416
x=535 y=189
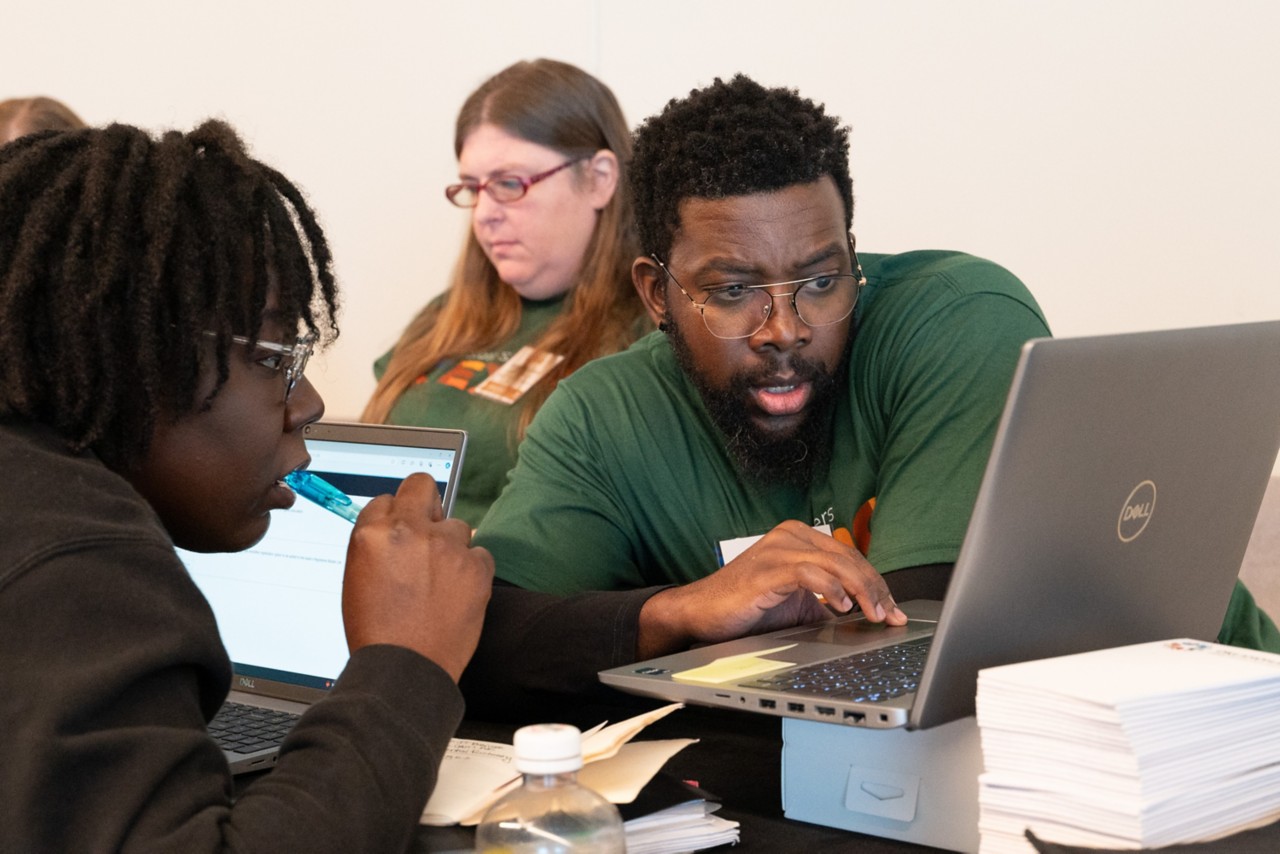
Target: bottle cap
x=548 y=749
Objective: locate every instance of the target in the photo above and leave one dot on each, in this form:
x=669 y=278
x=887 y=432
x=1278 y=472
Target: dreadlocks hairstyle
x=731 y=139
x=21 y=116
x=123 y=257
x=559 y=106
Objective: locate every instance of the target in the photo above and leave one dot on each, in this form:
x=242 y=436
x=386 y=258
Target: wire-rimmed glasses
x=734 y=310
x=503 y=187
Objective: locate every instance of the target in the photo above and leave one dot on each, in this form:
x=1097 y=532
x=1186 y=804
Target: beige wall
x=1119 y=155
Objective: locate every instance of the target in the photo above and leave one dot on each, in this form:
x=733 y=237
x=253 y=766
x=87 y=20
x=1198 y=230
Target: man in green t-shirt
x=806 y=419
x=796 y=399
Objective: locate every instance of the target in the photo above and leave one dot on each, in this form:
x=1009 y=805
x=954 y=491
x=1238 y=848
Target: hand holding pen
x=328 y=496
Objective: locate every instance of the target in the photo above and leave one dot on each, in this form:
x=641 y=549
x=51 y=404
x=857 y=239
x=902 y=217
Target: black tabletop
x=738 y=758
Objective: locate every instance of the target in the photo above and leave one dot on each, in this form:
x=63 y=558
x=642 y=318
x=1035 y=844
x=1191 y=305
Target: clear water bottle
x=550 y=813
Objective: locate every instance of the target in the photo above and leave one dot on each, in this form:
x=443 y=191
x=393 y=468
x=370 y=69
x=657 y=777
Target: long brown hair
x=559 y=106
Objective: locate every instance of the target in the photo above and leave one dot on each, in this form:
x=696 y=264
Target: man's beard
x=794 y=458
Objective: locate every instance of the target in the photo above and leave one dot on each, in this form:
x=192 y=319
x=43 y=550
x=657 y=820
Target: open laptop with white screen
x=279 y=604
x=1120 y=494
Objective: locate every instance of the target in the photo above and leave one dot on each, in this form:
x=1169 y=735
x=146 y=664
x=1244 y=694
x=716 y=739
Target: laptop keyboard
x=863 y=677
x=245 y=729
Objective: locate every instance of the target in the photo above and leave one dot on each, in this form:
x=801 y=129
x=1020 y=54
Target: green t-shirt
x=623 y=481
x=444 y=398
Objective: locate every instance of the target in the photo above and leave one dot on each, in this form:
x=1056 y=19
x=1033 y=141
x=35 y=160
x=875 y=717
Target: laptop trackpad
x=855 y=631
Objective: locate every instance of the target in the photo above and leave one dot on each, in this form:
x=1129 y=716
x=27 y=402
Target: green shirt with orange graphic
x=445 y=397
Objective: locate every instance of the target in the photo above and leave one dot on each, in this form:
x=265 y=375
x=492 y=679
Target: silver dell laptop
x=279 y=604
x=1120 y=494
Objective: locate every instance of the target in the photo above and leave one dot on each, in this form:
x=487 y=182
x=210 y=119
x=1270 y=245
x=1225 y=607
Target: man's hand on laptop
x=413 y=579
x=771 y=585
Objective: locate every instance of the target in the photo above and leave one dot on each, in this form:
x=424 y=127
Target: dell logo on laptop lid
x=1136 y=512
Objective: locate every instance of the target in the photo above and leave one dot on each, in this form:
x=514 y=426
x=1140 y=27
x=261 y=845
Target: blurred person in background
x=21 y=116
x=543 y=284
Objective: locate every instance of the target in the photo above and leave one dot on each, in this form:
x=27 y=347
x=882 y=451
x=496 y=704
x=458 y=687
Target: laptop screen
x=279 y=604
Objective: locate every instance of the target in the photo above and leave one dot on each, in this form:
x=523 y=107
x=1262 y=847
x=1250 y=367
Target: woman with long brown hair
x=543 y=284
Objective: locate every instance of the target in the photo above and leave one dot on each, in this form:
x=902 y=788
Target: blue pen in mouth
x=320 y=491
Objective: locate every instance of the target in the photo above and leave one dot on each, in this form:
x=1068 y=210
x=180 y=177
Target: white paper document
x=474 y=774
x=1147 y=745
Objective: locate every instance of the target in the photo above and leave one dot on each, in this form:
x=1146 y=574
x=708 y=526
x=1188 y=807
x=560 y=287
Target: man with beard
x=804 y=421
x=792 y=387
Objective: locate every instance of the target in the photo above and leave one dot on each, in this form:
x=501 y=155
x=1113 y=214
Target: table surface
x=738 y=758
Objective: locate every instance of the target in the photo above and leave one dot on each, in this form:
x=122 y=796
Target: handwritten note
x=472 y=776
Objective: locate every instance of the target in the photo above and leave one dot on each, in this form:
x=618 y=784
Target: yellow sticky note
x=733 y=667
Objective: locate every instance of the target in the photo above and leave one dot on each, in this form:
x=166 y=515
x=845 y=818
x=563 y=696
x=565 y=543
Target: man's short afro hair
x=731 y=139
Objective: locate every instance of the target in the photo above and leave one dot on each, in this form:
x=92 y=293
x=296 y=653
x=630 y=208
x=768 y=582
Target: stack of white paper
x=684 y=827
x=1132 y=747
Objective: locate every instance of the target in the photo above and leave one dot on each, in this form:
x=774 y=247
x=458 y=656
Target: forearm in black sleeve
x=355 y=772
x=539 y=651
x=919 y=582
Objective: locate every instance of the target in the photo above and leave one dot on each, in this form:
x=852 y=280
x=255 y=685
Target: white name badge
x=727 y=550
x=521 y=372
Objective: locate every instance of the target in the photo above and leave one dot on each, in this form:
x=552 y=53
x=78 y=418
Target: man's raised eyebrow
x=835 y=250
x=728 y=267
x=733 y=267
